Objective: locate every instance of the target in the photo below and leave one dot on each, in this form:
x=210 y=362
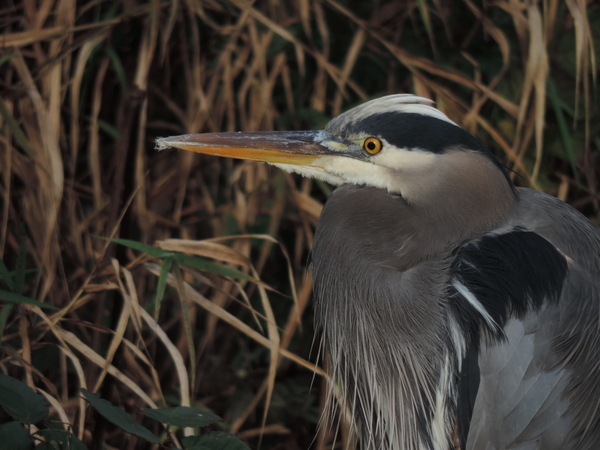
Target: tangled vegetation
x=157 y=280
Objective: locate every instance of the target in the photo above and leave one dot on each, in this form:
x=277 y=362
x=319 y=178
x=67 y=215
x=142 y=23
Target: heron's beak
x=276 y=147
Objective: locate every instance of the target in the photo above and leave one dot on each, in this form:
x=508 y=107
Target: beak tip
x=164 y=143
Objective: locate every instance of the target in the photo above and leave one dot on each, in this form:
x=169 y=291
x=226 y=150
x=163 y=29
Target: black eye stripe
x=410 y=131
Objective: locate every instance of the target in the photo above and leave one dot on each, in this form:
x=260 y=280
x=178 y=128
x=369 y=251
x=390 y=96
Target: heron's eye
x=372 y=145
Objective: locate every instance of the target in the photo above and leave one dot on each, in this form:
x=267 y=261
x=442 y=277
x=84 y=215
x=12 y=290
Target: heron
x=450 y=302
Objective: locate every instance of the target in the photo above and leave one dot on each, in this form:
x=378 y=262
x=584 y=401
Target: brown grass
x=87 y=86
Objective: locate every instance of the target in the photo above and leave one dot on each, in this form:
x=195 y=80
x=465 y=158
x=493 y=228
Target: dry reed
x=87 y=86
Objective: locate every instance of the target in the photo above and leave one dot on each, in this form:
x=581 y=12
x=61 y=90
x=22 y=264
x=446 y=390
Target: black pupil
x=371 y=145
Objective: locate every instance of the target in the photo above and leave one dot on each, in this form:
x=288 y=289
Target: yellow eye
x=372 y=145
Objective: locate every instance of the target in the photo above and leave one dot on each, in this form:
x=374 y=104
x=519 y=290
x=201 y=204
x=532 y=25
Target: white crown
x=403 y=103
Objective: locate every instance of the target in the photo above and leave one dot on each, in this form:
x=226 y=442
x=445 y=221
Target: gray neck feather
x=381 y=268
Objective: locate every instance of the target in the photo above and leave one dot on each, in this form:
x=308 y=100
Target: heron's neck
x=462 y=195
x=383 y=322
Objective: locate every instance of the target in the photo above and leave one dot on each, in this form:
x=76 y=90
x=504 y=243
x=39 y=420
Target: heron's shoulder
x=545 y=250
x=501 y=275
x=574 y=235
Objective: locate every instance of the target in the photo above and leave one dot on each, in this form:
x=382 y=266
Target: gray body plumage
x=449 y=300
x=382 y=300
x=540 y=388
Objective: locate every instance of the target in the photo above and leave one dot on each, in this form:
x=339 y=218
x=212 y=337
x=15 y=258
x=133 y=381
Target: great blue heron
x=446 y=296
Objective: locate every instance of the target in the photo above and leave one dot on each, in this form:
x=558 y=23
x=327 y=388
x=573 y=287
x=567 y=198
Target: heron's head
x=399 y=143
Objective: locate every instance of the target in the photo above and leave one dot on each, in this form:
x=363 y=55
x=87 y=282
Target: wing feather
x=539 y=382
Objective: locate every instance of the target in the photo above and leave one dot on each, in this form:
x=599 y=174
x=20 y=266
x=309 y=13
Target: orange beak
x=279 y=147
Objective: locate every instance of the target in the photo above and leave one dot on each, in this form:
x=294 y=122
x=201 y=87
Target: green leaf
x=6 y=276
x=52 y=445
x=187 y=321
x=196 y=447
x=16 y=298
x=162 y=284
x=16 y=130
x=182 y=416
x=324 y=187
x=565 y=134
x=4 y=314
x=195 y=262
x=21 y=402
x=20 y=268
x=150 y=249
x=13 y=436
x=6 y=58
x=426 y=17
x=109 y=129
x=119 y=417
x=214 y=441
x=64 y=439
x=203 y=264
x=118 y=68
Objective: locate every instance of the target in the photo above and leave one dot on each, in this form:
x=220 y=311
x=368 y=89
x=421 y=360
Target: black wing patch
x=467 y=393
x=500 y=276
x=506 y=275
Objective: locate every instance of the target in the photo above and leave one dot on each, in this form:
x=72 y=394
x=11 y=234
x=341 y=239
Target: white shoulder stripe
x=470 y=297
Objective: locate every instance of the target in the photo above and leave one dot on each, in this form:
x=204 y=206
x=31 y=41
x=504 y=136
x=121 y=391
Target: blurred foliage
x=86 y=87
